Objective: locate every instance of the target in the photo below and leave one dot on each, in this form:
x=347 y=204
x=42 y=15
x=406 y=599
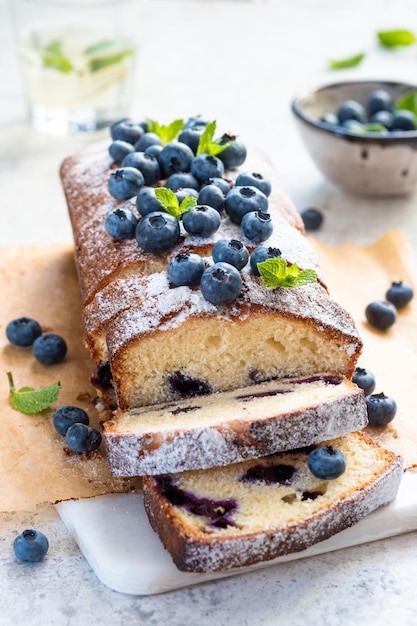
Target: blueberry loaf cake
x=250 y=512
x=231 y=426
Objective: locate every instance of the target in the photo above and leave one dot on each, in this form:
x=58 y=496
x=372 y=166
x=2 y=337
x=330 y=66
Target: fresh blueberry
x=23 y=331
x=125 y=182
x=66 y=416
x=351 y=110
x=260 y=254
x=206 y=166
x=119 y=149
x=241 y=200
x=404 y=120
x=147 y=164
x=399 y=294
x=381 y=314
x=49 y=348
x=380 y=100
x=82 y=438
x=157 y=232
x=196 y=121
x=213 y=196
x=154 y=150
x=181 y=180
x=184 y=193
x=201 y=221
x=185 y=269
x=175 y=157
x=312 y=218
x=147 y=202
x=121 y=223
x=126 y=130
x=383 y=117
x=221 y=284
x=381 y=409
x=191 y=136
x=230 y=251
x=364 y=379
x=234 y=155
x=222 y=183
x=31 y=546
x=254 y=179
x=326 y=462
x=147 y=140
x=256 y=226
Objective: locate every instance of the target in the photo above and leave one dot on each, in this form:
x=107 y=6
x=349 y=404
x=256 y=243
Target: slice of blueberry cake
x=255 y=511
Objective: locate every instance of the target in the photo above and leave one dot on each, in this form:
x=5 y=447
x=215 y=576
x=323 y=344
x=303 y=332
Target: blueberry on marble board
x=121 y=224
x=82 y=438
x=381 y=409
x=256 y=226
x=66 y=416
x=49 y=348
x=381 y=314
x=399 y=294
x=157 y=232
x=125 y=182
x=326 y=462
x=230 y=251
x=23 y=331
x=221 y=284
x=31 y=546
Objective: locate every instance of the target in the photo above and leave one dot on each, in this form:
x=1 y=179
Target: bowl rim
x=403 y=137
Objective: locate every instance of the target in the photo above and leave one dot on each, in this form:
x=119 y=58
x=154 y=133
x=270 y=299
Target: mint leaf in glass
x=394 y=38
x=31 y=401
x=166 y=132
x=170 y=203
x=352 y=61
x=276 y=273
x=52 y=56
x=207 y=144
x=408 y=101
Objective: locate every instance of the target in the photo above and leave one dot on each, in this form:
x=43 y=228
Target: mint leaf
x=207 y=144
x=170 y=203
x=371 y=127
x=342 y=64
x=408 y=101
x=52 y=56
x=99 y=46
x=394 y=38
x=30 y=401
x=276 y=273
x=99 y=63
x=167 y=132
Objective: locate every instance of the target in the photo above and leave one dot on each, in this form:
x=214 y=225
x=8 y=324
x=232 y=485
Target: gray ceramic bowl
x=366 y=164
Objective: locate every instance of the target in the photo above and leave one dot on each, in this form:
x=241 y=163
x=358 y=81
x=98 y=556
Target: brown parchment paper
x=357 y=276
x=35 y=466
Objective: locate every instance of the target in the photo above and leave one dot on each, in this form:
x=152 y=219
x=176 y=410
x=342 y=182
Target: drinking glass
x=78 y=60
